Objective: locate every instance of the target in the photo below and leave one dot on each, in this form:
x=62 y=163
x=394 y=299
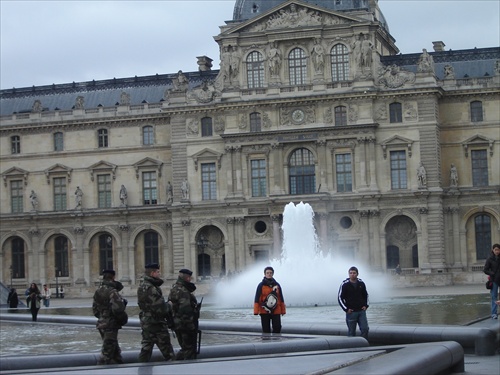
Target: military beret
x=153 y=266
x=186 y=271
x=109 y=271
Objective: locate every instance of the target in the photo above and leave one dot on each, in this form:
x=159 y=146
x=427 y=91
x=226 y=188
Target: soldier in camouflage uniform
x=155 y=316
x=109 y=309
x=186 y=314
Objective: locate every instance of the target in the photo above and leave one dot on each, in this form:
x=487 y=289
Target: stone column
x=126 y=260
x=323 y=229
x=365 y=235
x=372 y=163
x=231 y=249
x=322 y=155
x=168 y=253
x=277 y=245
x=79 y=263
x=240 y=248
x=36 y=257
x=362 y=165
x=423 y=253
x=276 y=172
x=375 y=250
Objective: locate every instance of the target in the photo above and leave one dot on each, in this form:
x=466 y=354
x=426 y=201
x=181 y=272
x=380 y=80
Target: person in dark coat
x=13 y=299
x=109 y=308
x=492 y=269
x=34 y=298
x=353 y=299
x=270 y=310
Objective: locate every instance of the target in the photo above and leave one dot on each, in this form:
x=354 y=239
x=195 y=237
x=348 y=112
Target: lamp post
x=57 y=285
x=202 y=243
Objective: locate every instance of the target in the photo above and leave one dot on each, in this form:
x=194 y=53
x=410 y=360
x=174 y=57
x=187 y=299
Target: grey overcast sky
x=45 y=42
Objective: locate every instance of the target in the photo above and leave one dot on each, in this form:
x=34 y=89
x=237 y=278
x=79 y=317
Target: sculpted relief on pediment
x=295 y=16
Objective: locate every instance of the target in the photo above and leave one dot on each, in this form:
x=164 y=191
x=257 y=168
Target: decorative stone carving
x=124 y=227
x=78 y=198
x=78 y=229
x=449 y=72
x=425 y=63
x=34 y=200
x=123 y=196
x=229 y=67
x=219 y=124
x=393 y=76
x=170 y=193
x=421 y=176
x=453 y=176
x=274 y=59
x=381 y=112
x=37 y=106
x=180 y=82
x=205 y=93
x=124 y=98
x=79 y=102
x=185 y=190
x=318 y=56
x=410 y=113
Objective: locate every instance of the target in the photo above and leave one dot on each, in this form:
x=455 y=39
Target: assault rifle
x=197 y=325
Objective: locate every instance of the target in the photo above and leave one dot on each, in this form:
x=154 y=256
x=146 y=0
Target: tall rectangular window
x=482 y=227
x=340 y=115
x=340 y=63
x=259 y=181
x=147 y=135
x=15 y=143
x=17 y=248
x=149 y=188
x=395 y=113
x=208 y=182
x=343 y=170
x=16 y=196
x=104 y=191
x=255 y=122
x=61 y=256
x=58 y=141
x=398 y=170
x=59 y=193
x=206 y=127
x=479 y=160
x=102 y=135
x=151 y=253
x=476 y=111
x=255 y=70
x=297 y=66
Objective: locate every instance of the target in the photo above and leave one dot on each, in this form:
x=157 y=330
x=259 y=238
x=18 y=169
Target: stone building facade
x=397 y=154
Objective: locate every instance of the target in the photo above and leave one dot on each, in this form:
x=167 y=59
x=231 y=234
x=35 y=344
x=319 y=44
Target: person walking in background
x=269 y=302
x=34 y=298
x=186 y=314
x=155 y=316
x=353 y=299
x=13 y=299
x=492 y=269
x=109 y=308
x=46 y=295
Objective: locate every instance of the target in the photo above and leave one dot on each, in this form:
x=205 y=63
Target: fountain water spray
x=307 y=275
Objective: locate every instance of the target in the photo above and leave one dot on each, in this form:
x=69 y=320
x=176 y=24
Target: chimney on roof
x=438 y=46
x=204 y=63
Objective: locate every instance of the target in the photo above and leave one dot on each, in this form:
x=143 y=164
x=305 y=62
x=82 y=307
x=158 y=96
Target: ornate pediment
x=102 y=166
x=397 y=142
x=293 y=15
x=58 y=169
x=478 y=141
x=15 y=173
x=148 y=163
x=206 y=155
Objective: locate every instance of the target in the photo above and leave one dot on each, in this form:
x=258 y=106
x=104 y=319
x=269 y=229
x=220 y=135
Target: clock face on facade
x=298 y=116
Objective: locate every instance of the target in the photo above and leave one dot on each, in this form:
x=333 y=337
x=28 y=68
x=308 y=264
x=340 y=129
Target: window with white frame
x=149 y=188
x=398 y=170
x=208 y=181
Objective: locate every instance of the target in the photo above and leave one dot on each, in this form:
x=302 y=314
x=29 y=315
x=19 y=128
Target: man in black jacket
x=353 y=298
x=492 y=269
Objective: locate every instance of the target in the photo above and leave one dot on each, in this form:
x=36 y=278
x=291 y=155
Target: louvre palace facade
x=398 y=155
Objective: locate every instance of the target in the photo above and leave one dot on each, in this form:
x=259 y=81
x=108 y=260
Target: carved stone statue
x=274 y=59
x=124 y=98
x=318 y=56
x=453 y=176
x=421 y=176
x=180 y=82
x=79 y=102
x=123 y=196
x=449 y=73
x=230 y=64
x=37 y=106
x=34 y=200
x=170 y=193
x=366 y=52
x=185 y=190
x=78 y=197
x=425 y=63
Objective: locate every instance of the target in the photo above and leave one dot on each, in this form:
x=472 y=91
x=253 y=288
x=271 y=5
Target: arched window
x=151 y=248
x=61 y=256
x=206 y=127
x=476 y=111
x=105 y=252
x=340 y=115
x=302 y=172
x=482 y=226
x=297 y=65
x=395 y=112
x=255 y=122
x=255 y=70
x=147 y=135
x=17 y=248
x=340 y=63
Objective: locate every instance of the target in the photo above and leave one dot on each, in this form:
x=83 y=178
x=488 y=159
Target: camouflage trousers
x=156 y=335
x=110 y=352
x=187 y=341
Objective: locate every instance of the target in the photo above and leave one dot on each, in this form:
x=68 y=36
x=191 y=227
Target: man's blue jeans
x=494 y=298
x=355 y=318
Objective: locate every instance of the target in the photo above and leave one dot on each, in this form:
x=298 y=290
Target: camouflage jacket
x=108 y=306
x=184 y=305
x=154 y=309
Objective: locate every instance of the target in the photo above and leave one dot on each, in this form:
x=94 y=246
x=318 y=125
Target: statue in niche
x=366 y=52
x=78 y=198
x=230 y=63
x=274 y=59
x=79 y=102
x=185 y=190
x=318 y=56
x=170 y=193
x=356 y=51
x=124 y=98
x=180 y=82
x=123 y=196
x=421 y=176
x=34 y=200
x=37 y=106
x=449 y=72
x=453 y=176
x=425 y=63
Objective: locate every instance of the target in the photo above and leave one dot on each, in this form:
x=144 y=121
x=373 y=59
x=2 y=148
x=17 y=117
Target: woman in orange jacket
x=269 y=302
